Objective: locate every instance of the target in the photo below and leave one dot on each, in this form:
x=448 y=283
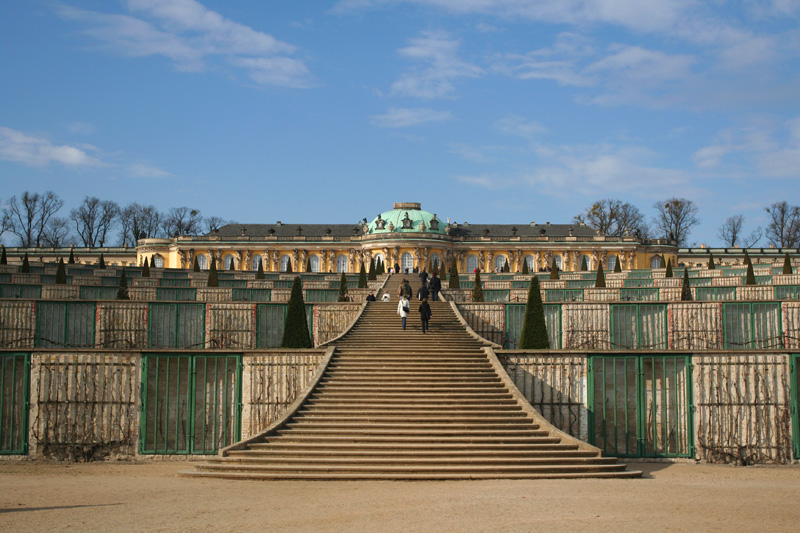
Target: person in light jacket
x=402 y=309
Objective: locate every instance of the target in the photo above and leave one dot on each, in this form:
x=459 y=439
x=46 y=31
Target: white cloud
x=38 y=151
x=399 y=117
x=436 y=52
x=81 y=128
x=761 y=150
x=194 y=38
x=520 y=127
x=141 y=170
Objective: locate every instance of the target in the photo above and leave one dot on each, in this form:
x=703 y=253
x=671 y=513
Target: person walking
x=435 y=287
x=406 y=289
x=403 y=309
x=423 y=277
x=425 y=314
x=422 y=293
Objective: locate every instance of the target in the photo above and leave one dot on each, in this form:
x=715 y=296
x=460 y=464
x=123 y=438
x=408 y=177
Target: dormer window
x=380 y=223
x=407 y=224
x=434 y=224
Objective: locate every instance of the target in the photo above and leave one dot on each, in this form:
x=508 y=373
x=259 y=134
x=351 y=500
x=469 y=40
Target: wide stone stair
x=395 y=404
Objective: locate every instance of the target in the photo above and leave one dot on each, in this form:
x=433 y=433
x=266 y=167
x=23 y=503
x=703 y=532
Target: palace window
x=406 y=262
x=655 y=262
x=285 y=260
x=202 y=262
x=499 y=263
x=257 y=260
x=436 y=260
x=529 y=260
x=158 y=261
x=472 y=263
x=587 y=259
x=341 y=263
x=557 y=259
x=612 y=262
x=314 y=261
x=227 y=263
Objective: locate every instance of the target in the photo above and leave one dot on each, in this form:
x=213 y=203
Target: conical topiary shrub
x=455 y=281
x=122 y=291
x=477 y=290
x=525 y=267
x=686 y=289
x=102 y=262
x=308 y=266
x=362 y=277
x=787 y=264
x=71 y=259
x=343 y=288
x=554 y=270
x=600 y=280
x=372 y=275
x=195 y=265
x=711 y=265
x=584 y=266
x=289 y=266
x=618 y=266
x=26 y=265
x=750 y=278
x=260 y=271
x=61 y=273
x=3 y=258
x=747 y=258
x=669 y=273
x=146 y=268
x=295 y=328
x=534 y=328
x=213 y=279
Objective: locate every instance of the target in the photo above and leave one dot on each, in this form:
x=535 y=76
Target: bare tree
x=614 y=217
x=5 y=222
x=29 y=215
x=731 y=233
x=93 y=220
x=675 y=219
x=57 y=233
x=214 y=223
x=182 y=221
x=783 y=229
x=139 y=222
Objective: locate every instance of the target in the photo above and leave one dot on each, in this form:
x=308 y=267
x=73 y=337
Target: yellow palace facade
x=407 y=237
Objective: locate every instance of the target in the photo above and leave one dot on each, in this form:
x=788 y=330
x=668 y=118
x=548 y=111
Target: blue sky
x=486 y=111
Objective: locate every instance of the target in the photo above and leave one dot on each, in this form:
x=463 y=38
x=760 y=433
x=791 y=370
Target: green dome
x=397 y=218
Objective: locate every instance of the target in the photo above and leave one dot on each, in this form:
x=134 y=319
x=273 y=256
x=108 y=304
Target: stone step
x=411 y=461
x=399 y=454
x=411 y=447
x=413 y=469
x=407 y=476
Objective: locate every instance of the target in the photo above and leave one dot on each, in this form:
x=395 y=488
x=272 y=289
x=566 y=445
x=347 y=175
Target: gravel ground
x=37 y=496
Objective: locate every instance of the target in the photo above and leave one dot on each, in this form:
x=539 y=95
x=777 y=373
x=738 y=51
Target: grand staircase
x=395 y=404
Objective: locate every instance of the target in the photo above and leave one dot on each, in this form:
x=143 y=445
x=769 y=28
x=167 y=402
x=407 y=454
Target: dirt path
x=124 y=496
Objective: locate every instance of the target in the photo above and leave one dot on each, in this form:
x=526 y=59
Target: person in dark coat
x=423 y=277
x=407 y=289
x=371 y=297
x=422 y=293
x=435 y=287
x=425 y=314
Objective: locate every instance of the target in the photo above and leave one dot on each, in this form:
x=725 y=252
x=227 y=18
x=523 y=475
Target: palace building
x=411 y=238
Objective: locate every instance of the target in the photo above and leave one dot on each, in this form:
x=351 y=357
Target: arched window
x=435 y=260
x=227 y=263
x=158 y=261
x=587 y=259
x=257 y=260
x=378 y=256
x=341 y=263
x=529 y=260
x=612 y=262
x=655 y=262
x=202 y=261
x=285 y=259
x=500 y=263
x=472 y=263
x=314 y=261
x=406 y=262
x=558 y=262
